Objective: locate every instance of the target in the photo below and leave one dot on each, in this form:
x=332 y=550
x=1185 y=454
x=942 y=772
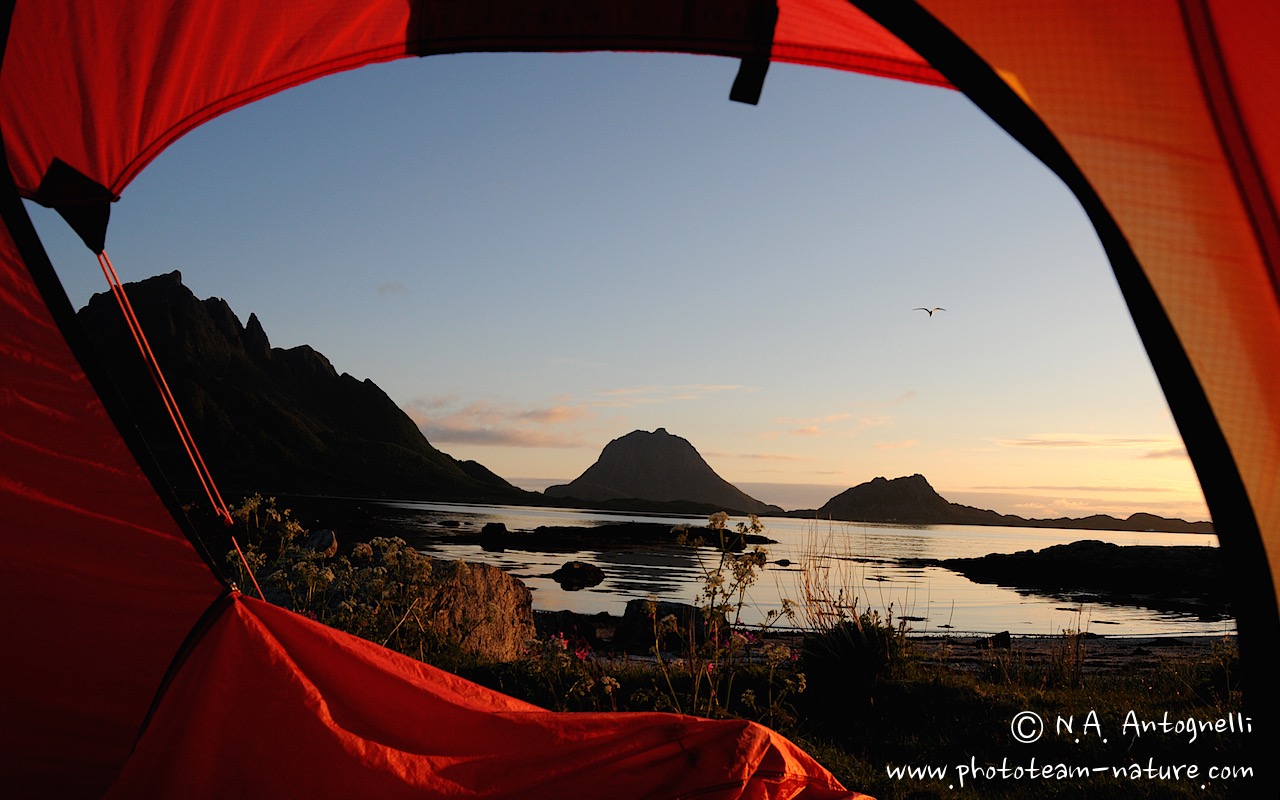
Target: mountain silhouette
x=912 y=501
x=265 y=418
x=657 y=467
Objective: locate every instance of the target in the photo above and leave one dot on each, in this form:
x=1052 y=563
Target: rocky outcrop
x=484 y=610
x=1178 y=578
x=906 y=500
x=657 y=467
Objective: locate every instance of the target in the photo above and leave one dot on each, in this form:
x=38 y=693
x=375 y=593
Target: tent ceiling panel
x=127 y=79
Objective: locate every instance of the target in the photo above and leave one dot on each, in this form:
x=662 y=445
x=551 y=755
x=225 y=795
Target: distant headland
x=912 y=501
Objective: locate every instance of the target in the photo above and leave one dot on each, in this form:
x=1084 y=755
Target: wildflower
x=582 y=653
x=610 y=684
x=776 y=653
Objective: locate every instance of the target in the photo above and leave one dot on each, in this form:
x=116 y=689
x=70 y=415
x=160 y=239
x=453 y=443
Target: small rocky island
x=1179 y=578
x=910 y=500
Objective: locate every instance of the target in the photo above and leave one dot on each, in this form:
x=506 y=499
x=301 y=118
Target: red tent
x=132 y=670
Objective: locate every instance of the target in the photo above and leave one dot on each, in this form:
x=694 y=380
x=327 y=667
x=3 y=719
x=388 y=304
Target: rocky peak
x=659 y=467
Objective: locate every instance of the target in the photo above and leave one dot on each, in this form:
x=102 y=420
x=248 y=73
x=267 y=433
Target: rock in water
x=494 y=536
x=575 y=575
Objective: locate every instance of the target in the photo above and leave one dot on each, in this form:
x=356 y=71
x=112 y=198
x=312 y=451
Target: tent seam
x=1228 y=123
x=193 y=638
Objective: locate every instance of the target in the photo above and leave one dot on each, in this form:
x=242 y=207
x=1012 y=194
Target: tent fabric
x=419 y=732
x=1124 y=88
x=99 y=585
x=1160 y=114
x=126 y=79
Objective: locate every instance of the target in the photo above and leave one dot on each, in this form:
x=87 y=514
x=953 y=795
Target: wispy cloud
x=1043 y=488
x=501 y=437
x=840 y=423
x=1045 y=501
x=556 y=415
x=481 y=423
x=1172 y=452
x=694 y=388
x=395 y=287
x=827 y=419
x=1055 y=440
x=759 y=456
x=1055 y=508
x=1140 y=447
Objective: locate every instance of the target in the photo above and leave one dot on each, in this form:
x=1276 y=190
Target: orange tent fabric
x=1169 y=111
x=126 y=79
x=414 y=731
x=100 y=586
x=1161 y=115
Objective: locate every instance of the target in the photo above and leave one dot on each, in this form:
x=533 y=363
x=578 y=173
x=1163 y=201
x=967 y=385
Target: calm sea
x=859 y=559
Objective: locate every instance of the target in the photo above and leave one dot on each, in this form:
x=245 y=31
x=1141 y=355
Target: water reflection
x=860 y=560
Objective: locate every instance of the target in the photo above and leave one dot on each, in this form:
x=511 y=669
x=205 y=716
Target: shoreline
x=1097 y=653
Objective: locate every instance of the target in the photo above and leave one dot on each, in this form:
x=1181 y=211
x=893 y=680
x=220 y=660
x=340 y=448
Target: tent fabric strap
x=1246 y=168
x=749 y=82
x=170 y=403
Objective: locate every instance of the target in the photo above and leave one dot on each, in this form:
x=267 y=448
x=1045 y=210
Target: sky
x=534 y=254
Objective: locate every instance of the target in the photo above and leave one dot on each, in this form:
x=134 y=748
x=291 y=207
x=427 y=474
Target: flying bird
x=930 y=310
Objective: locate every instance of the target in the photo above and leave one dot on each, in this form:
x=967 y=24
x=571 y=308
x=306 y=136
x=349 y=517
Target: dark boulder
x=575 y=575
x=671 y=626
x=323 y=543
x=1000 y=641
x=494 y=537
